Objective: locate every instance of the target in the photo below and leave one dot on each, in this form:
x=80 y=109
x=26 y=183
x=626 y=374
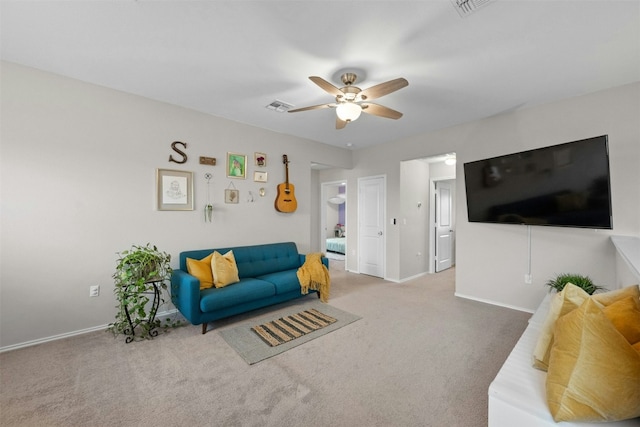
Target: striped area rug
x=291 y=327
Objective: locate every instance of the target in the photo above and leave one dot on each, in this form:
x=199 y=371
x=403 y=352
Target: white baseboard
x=406 y=279
x=486 y=301
x=71 y=334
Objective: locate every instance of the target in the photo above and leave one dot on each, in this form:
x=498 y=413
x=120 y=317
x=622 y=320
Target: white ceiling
x=232 y=58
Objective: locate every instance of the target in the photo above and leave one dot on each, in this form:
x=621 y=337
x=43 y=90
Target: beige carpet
x=418 y=357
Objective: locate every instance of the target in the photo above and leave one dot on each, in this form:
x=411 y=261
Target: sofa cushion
x=256 y=260
x=594 y=373
x=284 y=281
x=245 y=291
x=201 y=269
x=224 y=269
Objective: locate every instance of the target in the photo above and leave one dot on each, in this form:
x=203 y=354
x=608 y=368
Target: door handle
x=379 y=233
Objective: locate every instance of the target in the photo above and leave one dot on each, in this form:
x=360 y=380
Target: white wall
x=78 y=185
x=414 y=220
x=491 y=260
x=78 y=172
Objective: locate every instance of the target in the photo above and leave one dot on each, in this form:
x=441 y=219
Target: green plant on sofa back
x=559 y=282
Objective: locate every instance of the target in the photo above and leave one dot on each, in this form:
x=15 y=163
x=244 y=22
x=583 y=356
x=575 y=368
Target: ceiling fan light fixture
x=348 y=111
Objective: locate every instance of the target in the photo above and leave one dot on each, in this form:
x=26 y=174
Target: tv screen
x=565 y=185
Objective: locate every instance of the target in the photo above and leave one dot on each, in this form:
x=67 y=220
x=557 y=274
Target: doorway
x=442 y=218
x=333 y=220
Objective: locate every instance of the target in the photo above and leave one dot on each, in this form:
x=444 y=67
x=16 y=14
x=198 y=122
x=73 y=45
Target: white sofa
x=517 y=395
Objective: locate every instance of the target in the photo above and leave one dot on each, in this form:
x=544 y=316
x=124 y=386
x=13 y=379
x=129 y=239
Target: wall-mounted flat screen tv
x=565 y=185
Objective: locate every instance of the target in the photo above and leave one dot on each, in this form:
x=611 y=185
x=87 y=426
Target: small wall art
x=174 y=190
x=231 y=195
x=236 y=165
x=260 y=159
x=259 y=176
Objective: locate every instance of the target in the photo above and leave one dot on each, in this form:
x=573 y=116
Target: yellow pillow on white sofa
x=565 y=301
x=570 y=298
x=224 y=268
x=608 y=298
x=594 y=373
x=624 y=314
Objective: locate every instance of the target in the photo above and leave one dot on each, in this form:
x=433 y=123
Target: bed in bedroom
x=336 y=244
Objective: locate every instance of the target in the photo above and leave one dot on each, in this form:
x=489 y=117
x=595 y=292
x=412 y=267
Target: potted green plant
x=140 y=280
x=559 y=282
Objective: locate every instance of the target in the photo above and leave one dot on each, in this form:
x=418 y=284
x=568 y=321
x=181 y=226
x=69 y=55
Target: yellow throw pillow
x=594 y=373
x=201 y=269
x=224 y=268
x=625 y=317
x=567 y=300
x=608 y=298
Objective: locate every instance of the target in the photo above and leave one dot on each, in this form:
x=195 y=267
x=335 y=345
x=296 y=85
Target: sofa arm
x=185 y=295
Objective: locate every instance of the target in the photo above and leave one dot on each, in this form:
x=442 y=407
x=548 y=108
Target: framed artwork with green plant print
x=236 y=165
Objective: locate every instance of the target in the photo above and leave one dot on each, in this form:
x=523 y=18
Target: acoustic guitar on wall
x=286 y=199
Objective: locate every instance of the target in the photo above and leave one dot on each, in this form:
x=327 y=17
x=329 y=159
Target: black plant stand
x=154 y=289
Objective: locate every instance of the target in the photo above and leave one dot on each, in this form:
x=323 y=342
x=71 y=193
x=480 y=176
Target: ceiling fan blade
x=326 y=86
x=340 y=124
x=313 y=107
x=383 y=89
x=380 y=111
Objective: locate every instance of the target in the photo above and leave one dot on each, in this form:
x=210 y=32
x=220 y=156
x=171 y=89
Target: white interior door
x=444 y=225
x=371 y=225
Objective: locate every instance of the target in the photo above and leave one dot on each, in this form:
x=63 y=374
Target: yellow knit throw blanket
x=315 y=276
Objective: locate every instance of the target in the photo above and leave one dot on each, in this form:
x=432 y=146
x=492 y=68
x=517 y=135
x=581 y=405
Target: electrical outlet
x=527 y=279
x=94 y=291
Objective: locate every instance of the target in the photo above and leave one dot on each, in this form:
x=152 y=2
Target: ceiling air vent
x=467 y=7
x=279 y=106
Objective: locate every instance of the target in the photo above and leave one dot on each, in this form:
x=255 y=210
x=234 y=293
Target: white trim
x=406 y=279
x=486 y=301
x=69 y=334
x=52 y=338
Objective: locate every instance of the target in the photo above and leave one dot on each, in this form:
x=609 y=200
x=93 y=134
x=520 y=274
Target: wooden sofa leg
x=204 y=328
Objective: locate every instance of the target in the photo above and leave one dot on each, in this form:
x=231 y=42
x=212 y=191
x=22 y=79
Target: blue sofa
x=268 y=275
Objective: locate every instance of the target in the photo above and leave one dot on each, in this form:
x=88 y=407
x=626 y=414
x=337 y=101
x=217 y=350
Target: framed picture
x=236 y=165
x=259 y=176
x=261 y=159
x=231 y=195
x=175 y=190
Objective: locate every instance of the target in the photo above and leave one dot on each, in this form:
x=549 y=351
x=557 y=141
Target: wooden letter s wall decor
x=177 y=150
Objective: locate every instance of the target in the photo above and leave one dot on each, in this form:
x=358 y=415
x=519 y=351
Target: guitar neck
x=285 y=160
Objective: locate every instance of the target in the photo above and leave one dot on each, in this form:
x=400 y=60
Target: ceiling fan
x=351 y=100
